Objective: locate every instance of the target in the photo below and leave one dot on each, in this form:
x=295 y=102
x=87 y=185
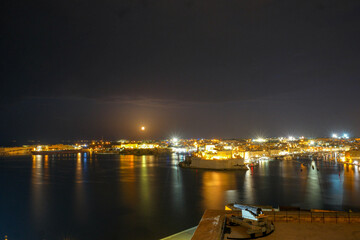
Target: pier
x=57 y=152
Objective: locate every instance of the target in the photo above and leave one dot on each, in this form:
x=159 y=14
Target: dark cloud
x=161 y=54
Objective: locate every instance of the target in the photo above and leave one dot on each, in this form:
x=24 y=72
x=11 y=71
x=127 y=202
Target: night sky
x=195 y=69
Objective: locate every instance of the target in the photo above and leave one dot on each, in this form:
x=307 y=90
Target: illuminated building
x=352 y=156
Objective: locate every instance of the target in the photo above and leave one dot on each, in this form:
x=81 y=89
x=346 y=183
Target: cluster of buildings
x=343 y=149
x=347 y=149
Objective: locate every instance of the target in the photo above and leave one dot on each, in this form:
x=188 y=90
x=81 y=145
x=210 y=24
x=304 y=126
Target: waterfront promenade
x=293 y=225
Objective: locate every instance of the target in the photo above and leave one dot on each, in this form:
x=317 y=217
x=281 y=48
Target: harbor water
x=78 y=196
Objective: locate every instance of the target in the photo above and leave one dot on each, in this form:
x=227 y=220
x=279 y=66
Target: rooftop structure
x=293 y=225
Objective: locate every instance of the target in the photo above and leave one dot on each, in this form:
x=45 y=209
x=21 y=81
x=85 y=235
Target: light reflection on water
x=136 y=197
x=80 y=200
x=37 y=190
x=215 y=187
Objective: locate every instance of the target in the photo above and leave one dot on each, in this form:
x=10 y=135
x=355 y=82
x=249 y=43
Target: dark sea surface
x=150 y=197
